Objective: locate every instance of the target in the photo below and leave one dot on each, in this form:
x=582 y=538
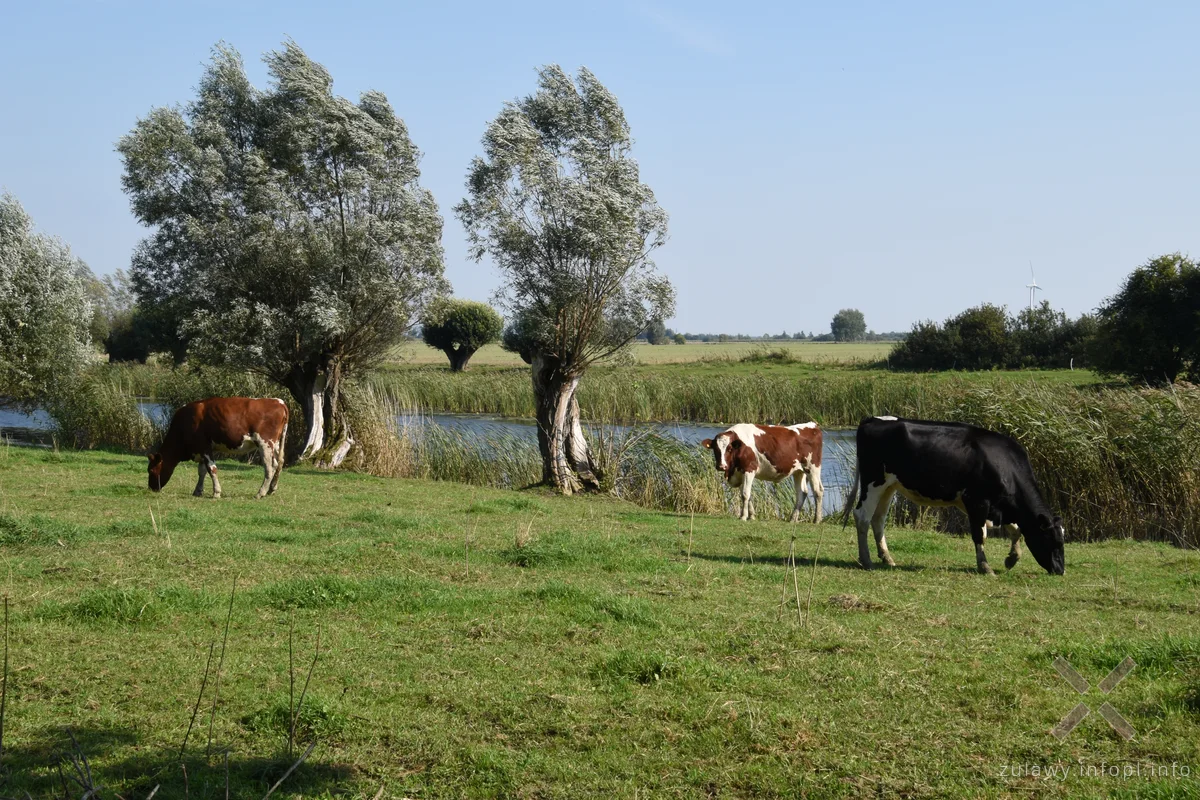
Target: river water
x=836 y=472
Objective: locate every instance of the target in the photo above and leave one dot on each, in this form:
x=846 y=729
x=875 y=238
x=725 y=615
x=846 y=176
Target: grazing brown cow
x=223 y=426
x=771 y=452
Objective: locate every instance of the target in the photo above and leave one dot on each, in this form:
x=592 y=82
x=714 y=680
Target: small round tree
x=848 y=325
x=459 y=328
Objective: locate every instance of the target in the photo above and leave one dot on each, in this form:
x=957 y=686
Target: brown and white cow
x=223 y=426
x=772 y=453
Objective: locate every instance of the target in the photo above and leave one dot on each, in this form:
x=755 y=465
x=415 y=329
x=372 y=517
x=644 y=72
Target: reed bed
x=100 y=411
x=1116 y=462
x=621 y=396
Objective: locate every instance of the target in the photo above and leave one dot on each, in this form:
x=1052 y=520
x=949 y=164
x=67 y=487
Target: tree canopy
x=1150 y=330
x=848 y=325
x=459 y=328
x=291 y=236
x=45 y=312
x=557 y=203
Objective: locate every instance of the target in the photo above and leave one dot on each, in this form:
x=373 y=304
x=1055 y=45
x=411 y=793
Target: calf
x=222 y=426
x=772 y=453
x=986 y=475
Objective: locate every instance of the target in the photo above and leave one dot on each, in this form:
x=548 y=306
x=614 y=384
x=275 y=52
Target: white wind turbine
x=1032 y=287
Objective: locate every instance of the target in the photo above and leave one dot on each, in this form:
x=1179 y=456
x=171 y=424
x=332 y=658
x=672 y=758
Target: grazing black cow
x=985 y=474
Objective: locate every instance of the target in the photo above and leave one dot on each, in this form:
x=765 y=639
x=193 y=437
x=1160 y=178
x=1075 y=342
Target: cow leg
x=268 y=459
x=978 y=520
x=818 y=493
x=800 y=478
x=212 y=472
x=877 y=523
x=202 y=468
x=874 y=503
x=747 y=502
x=278 y=462
x=1014 y=552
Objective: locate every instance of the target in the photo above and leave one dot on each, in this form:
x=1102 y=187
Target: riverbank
x=1116 y=461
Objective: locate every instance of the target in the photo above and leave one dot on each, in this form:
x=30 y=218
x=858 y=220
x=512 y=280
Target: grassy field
x=492 y=355
x=484 y=643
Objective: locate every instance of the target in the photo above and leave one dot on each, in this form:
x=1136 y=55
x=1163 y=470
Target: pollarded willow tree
x=459 y=328
x=557 y=203
x=291 y=235
x=44 y=311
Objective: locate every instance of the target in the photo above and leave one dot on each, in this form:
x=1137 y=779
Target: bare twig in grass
x=467 y=549
x=196 y=709
x=783 y=599
x=691 y=528
x=812 y=578
x=83 y=770
x=154 y=524
x=304 y=691
x=291 y=679
x=291 y=769
x=185 y=780
x=220 y=663
x=153 y=792
x=226 y=775
x=378 y=794
x=4 y=691
x=796 y=581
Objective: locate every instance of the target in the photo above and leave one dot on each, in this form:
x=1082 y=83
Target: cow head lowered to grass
x=986 y=475
x=772 y=453
x=222 y=426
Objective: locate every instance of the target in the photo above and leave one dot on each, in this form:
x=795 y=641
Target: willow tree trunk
x=327 y=437
x=567 y=463
x=459 y=356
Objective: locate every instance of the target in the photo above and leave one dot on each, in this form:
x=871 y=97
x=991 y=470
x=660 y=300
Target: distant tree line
x=1149 y=332
x=988 y=337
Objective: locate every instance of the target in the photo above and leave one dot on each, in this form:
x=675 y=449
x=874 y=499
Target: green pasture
x=486 y=643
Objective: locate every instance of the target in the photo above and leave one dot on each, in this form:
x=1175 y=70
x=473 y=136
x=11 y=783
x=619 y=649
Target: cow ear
x=707 y=444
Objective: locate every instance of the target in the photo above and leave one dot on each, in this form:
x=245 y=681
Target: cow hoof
x=866 y=565
x=891 y=562
x=795 y=517
x=985 y=569
x=197 y=494
x=1011 y=561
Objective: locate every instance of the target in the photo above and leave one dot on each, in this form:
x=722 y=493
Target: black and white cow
x=985 y=474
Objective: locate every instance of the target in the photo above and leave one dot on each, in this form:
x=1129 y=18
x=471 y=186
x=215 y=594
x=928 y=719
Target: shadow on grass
x=801 y=560
x=48 y=764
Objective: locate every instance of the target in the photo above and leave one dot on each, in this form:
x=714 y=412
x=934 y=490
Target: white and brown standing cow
x=771 y=453
x=223 y=426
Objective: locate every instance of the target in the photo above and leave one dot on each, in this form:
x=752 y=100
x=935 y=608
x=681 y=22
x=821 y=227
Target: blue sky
x=905 y=159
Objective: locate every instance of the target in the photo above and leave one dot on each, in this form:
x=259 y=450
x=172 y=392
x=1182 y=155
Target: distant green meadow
x=485 y=643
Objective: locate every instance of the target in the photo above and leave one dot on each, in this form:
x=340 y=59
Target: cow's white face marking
x=888 y=419
x=743 y=431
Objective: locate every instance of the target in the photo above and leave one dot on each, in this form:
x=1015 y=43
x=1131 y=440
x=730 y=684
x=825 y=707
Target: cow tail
x=850 y=499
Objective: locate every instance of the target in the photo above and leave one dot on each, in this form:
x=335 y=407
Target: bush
x=1150 y=330
x=986 y=337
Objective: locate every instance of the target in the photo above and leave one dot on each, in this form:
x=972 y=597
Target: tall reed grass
x=1115 y=462
x=99 y=411
x=621 y=396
